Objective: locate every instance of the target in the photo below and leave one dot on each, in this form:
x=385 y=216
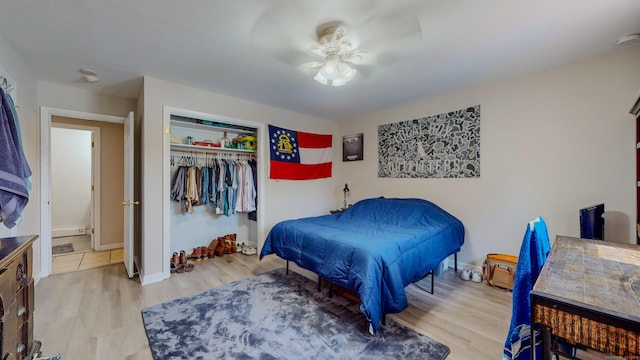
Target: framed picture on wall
x=352 y=149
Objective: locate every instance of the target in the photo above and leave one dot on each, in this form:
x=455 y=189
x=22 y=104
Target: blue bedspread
x=375 y=248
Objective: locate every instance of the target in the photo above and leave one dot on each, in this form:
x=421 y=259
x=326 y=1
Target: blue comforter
x=375 y=248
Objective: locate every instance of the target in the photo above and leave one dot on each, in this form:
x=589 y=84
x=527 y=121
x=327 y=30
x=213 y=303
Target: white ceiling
x=209 y=44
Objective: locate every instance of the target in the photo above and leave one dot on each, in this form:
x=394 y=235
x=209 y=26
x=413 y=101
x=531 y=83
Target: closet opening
x=213 y=189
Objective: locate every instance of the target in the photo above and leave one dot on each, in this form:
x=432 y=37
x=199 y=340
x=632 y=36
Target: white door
x=128 y=202
x=92 y=231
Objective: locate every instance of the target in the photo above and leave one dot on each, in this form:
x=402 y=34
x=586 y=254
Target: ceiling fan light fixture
x=321 y=78
x=335 y=72
x=338 y=82
x=330 y=69
x=331 y=65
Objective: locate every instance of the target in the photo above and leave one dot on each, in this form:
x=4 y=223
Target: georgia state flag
x=297 y=155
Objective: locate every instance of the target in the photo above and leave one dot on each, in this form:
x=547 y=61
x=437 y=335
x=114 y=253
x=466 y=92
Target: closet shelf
x=196 y=148
x=215 y=126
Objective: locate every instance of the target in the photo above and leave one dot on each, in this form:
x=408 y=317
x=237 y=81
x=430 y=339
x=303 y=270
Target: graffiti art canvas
x=439 y=146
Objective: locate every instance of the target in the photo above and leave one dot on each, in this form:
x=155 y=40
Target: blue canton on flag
x=283 y=145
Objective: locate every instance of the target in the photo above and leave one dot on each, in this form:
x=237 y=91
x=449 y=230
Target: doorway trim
x=96 y=225
x=46 y=113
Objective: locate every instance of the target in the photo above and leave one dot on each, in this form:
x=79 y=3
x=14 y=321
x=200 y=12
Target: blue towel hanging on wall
x=14 y=169
x=533 y=253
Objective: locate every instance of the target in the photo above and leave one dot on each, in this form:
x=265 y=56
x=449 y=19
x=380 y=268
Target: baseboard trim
x=109 y=247
x=70 y=231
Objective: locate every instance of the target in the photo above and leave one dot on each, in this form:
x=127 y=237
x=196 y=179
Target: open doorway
x=75 y=194
x=116 y=182
x=86 y=223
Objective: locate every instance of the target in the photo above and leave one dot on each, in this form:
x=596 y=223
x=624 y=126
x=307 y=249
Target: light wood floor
x=85 y=260
x=82 y=257
x=96 y=314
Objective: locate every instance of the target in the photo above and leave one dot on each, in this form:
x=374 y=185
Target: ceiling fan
x=337 y=56
x=335 y=52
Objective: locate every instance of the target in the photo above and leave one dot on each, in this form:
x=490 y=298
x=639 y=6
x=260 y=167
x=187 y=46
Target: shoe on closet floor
x=174 y=262
x=182 y=260
x=476 y=276
x=249 y=250
x=230 y=244
x=211 y=250
x=219 y=250
x=196 y=254
x=204 y=252
x=184 y=265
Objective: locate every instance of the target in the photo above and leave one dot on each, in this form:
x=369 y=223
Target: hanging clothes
x=215 y=181
x=198 y=177
x=245 y=196
x=229 y=186
x=204 y=192
x=14 y=168
x=249 y=198
x=191 y=196
x=253 y=215
x=238 y=184
x=179 y=184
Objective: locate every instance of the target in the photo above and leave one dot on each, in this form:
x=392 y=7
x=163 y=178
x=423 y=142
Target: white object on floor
x=466 y=274
x=476 y=277
x=249 y=250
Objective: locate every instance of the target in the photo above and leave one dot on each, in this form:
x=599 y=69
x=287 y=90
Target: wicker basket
x=576 y=329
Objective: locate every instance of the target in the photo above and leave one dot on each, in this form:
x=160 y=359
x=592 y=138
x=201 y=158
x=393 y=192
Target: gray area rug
x=276 y=316
x=61 y=249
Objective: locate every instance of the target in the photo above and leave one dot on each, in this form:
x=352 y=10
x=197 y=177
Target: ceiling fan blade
x=317 y=51
x=310 y=66
x=363 y=70
x=362 y=57
x=389 y=30
x=284 y=33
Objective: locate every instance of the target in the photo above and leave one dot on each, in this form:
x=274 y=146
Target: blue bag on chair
x=533 y=253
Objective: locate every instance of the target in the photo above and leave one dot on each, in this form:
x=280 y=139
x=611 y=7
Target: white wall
x=83 y=99
x=550 y=143
x=71 y=178
x=280 y=199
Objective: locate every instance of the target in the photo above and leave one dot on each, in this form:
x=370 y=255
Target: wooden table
x=588 y=294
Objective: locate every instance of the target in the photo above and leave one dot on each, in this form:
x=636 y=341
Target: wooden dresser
x=16 y=296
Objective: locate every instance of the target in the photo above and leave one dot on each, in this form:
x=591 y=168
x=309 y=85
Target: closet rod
x=215 y=152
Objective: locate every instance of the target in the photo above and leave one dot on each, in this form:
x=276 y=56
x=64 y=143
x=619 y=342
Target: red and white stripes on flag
x=297 y=155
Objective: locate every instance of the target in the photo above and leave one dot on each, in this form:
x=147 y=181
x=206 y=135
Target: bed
x=375 y=248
